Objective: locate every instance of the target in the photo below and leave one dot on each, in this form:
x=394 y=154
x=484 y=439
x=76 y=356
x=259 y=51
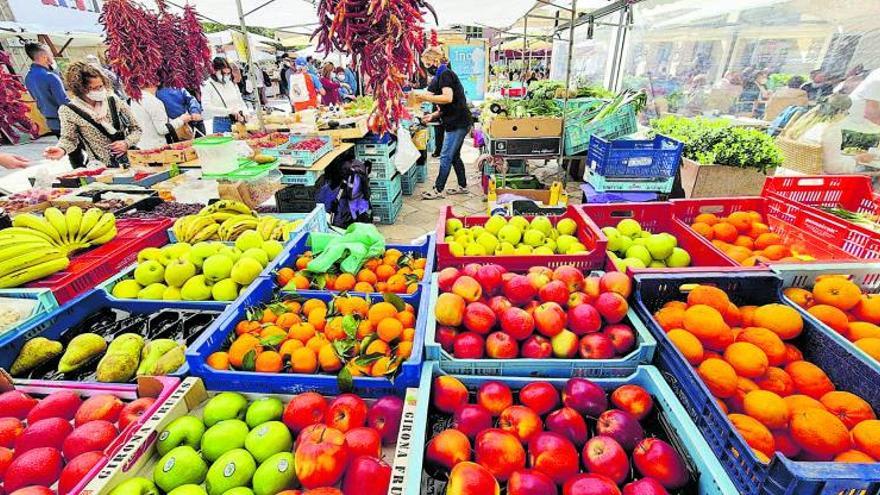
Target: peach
x=550 y=318
x=500 y=452
x=448 y=448
x=495 y=397
x=448 y=394
x=468 y=478
x=612 y=306
x=478 y=317
x=521 y=421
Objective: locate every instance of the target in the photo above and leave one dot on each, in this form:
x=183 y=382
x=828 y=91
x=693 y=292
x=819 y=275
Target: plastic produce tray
x=587 y=233
x=424 y=249
x=314 y=221
x=409 y=179
x=299 y=158
x=707 y=475
x=751 y=476
x=579 y=130
x=45 y=303
x=386 y=213
x=866 y=276
x=381 y=167
x=605 y=184
x=138 y=456
x=383 y=191
x=822 y=238
x=159 y=387
x=656 y=218
x=92 y=267
x=547 y=368
x=262 y=291
x=635 y=158
x=93 y=312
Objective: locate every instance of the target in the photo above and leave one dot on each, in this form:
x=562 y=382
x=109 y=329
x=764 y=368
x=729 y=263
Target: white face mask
x=97 y=95
x=221 y=76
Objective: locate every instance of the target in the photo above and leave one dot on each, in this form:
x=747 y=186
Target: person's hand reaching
x=13 y=161
x=54 y=153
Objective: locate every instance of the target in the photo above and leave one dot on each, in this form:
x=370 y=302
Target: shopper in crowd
x=305 y=88
x=351 y=77
x=46 y=88
x=754 y=94
x=446 y=91
x=862 y=124
x=439 y=134
x=818 y=87
x=345 y=91
x=13 y=161
x=221 y=98
x=95 y=119
x=695 y=96
x=95 y=62
x=158 y=129
x=331 y=86
x=283 y=74
x=179 y=101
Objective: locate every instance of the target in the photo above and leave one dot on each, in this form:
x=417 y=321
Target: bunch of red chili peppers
x=13 y=113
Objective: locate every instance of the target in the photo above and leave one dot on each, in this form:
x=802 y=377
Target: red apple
x=446 y=278
x=622 y=337
x=467 y=288
x=584 y=319
x=570 y=276
x=536 y=347
x=565 y=344
x=471 y=419
x=468 y=345
x=518 y=289
x=541 y=397
x=500 y=452
x=554 y=291
x=612 y=306
x=448 y=448
x=320 y=457
x=448 y=394
x=470 y=478
x=363 y=441
x=346 y=412
x=471 y=270
x=499 y=345
x=538 y=280
x=521 y=421
x=644 y=486
x=603 y=455
x=530 y=307
x=505 y=277
x=621 y=426
x=303 y=410
x=530 y=482
x=592 y=289
x=542 y=270
x=553 y=455
x=499 y=304
x=657 y=459
x=366 y=476
x=450 y=309
x=617 y=282
x=489 y=276
x=384 y=417
x=495 y=397
x=134 y=410
x=596 y=346
x=590 y=484
x=585 y=397
x=517 y=323
x=576 y=299
x=633 y=399
x=568 y=423
x=446 y=337
x=550 y=319
x=479 y=318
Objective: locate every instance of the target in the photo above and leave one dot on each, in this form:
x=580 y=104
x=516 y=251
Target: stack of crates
x=408 y=180
x=386 y=193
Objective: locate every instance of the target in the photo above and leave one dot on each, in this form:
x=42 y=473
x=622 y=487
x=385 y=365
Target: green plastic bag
x=360 y=242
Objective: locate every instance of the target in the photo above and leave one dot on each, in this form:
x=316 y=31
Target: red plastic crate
x=92 y=267
x=800 y=227
x=587 y=232
x=656 y=218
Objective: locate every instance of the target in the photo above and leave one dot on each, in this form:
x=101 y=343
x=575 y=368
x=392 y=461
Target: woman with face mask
x=95 y=119
x=331 y=86
x=221 y=99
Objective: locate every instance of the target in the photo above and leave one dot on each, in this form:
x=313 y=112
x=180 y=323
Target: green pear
x=152 y=291
x=185 y=430
x=181 y=466
x=178 y=272
x=217 y=267
x=275 y=475
x=264 y=409
x=222 y=437
x=80 y=350
x=126 y=289
x=135 y=486
x=268 y=439
x=234 y=468
x=195 y=289
x=225 y=405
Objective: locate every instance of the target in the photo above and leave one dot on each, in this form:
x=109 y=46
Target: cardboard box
x=501 y=127
x=138 y=456
x=713 y=181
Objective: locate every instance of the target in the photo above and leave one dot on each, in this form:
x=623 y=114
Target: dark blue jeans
x=222 y=124
x=450 y=157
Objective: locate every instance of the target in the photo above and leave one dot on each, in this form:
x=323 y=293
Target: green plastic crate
x=579 y=130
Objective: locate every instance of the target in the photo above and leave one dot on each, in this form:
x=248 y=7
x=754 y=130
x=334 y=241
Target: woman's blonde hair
x=434 y=53
x=77 y=76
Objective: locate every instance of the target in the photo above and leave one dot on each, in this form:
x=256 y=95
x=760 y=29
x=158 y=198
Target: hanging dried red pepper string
x=384 y=38
x=13 y=112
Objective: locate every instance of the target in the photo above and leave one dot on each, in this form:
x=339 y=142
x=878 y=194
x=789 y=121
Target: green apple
x=224 y=290
x=149 y=272
x=456 y=249
x=659 y=246
x=541 y=224
x=519 y=222
x=249 y=239
x=172 y=294
x=233 y=252
x=679 y=258
x=224 y=436
x=474 y=249
x=178 y=272
x=610 y=232
x=639 y=241
x=543 y=250
x=566 y=226
x=533 y=237
x=657 y=264
x=217 y=267
x=510 y=234
x=614 y=242
x=576 y=248
x=245 y=270
x=240 y=490
x=225 y=405
x=448 y=239
x=202 y=250
x=550 y=243
x=185 y=430
x=262 y=410
x=495 y=223
x=453 y=225
x=564 y=242
x=233 y=469
x=135 y=486
x=257 y=254
x=629 y=227
x=625 y=243
x=273 y=248
x=176 y=250
x=275 y=475
x=150 y=253
x=554 y=234
x=268 y=439
x=523 y=249
x=126 y=289
x=191 y=489
x=488 y=241
x=671 y=238
x=639 y=252
x=635 y=262
x=181 y=466
x=152 y=291
x=195 y=289
x=476 y=230
x=505 y=249
x=645 y=234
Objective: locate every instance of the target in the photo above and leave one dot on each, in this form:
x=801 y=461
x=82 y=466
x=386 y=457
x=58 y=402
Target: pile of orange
x=776 y=400
x=838 y=302
x=746 y=238
x=394 y=272
x=290 y=336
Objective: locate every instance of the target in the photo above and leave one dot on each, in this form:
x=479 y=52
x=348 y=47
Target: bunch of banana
x=235 y=226
x=225 y=220
x=225 y=209
x=35 y=247
x=195 y=228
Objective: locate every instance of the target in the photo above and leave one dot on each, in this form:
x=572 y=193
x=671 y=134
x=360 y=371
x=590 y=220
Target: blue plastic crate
x=385 y=190
x=547 y=368
x=374 y=150
x=54 y=324
x=386 y=213
x=634 y=158
x=313 y=221
x=601 y=183
x=300 y=177
x=372 y=138
x=299 y=158
x=45 y=303
x=865 y=275
x=381 y=167
x=262 y=291
x=680 y=429
x=846 y=369
x=408 y=181
x=421 y=172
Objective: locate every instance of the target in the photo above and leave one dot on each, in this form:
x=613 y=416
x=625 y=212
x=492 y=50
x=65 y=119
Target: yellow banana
x=57 y=220
x=73 y=216
x=34 y=272
x=19 y=248
x=39 y=224
x=107 y=222
x=196 y=226
x=222 y=216
x=207 y=233
x=26 y=233
x=107 y=237
x=28 y=259
x=89 y=220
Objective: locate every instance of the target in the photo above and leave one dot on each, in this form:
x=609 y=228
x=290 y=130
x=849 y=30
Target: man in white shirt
x=864 y=115
x=150 y=114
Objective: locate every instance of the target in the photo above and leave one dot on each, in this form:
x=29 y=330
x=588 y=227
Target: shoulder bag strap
x=88 y=118
x=223 y=101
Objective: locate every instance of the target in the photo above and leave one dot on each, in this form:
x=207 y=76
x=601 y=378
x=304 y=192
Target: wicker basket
x=801 y=157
